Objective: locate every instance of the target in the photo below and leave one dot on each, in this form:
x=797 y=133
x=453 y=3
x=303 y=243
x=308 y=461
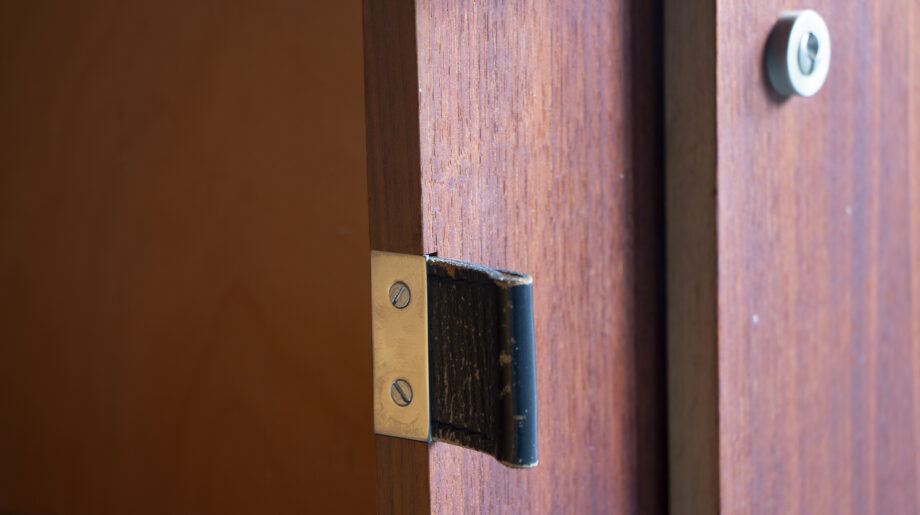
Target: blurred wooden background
x=184 y=320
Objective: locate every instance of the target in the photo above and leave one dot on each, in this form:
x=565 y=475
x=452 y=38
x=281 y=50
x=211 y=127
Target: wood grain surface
x=394 y=205
x=539 y=140
x=184 y=282
x=692 y=306
x=818 y=238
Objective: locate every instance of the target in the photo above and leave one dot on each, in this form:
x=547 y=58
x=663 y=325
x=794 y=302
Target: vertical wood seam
x=691 y=247
x=394 y=205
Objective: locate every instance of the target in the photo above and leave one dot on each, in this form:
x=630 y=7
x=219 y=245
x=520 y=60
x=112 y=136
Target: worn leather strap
x=482 y=383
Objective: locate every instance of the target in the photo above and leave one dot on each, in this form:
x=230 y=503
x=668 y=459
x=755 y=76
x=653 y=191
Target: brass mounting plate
x=400 y=334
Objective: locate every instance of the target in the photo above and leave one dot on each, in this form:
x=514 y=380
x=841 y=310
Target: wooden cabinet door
x=793 y=264
x=526 y=136
x=183 y=258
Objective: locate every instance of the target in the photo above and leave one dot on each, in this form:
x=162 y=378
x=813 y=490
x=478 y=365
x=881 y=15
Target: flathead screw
x=401 y=392
x=399 y=295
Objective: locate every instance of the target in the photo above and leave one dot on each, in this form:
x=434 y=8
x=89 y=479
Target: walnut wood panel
x=538 y=140
x=394 y=205
x=818 y=299
x=183 y=259
x=690 y=136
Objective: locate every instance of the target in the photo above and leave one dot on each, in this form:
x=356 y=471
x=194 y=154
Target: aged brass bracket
x=454 y=355
x=399 y=303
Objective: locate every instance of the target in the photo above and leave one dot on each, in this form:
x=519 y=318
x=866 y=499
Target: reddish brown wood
x=183 y=259
x=538 y=151
x=402 y=476
x=394 y=205
x=391 y=93
x=692 y=305
x=818 y=211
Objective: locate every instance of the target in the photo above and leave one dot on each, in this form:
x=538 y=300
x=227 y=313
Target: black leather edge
x=482 y=377
x=521 y=449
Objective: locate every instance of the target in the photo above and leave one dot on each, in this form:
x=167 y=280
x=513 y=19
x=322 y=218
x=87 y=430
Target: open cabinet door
x=525 y=136
x=793 y=264
x=182 y=258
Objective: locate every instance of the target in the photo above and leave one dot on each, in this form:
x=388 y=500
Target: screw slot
x=401 y=392
x=399 y=295
x=808 y=53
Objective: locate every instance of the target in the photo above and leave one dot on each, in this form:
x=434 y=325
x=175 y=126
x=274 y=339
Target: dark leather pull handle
x=482 y=384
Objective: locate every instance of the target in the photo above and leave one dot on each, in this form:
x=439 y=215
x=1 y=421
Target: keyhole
x=808 y=53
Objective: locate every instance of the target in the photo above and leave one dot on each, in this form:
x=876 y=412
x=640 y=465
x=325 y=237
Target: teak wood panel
x=794 y=265
x=184 y=288
x=525 y=136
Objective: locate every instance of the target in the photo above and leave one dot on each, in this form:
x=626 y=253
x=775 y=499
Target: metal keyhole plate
x=799 y=53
